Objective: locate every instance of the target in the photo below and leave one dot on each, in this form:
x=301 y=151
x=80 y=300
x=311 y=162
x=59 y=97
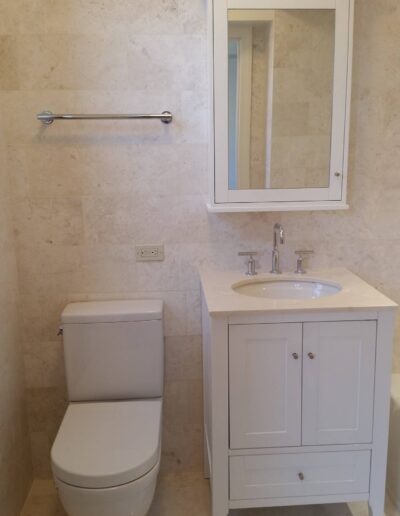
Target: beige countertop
x=355 y=293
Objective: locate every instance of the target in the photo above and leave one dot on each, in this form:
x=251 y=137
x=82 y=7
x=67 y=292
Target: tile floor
x=183 y=494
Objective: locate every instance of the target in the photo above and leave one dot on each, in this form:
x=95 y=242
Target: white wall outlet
x=150 y=253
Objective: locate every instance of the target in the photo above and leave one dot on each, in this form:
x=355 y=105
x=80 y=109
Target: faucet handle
x=301 y=253
x=251 y=264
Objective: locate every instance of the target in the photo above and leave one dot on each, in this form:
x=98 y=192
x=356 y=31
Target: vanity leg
x=376 y=504
x=383 y=369
x=376 y=509
x=219 y=507
x=220 y=419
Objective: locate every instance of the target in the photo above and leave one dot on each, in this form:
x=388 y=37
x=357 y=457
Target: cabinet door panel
x=265 y=385
x=338 y=382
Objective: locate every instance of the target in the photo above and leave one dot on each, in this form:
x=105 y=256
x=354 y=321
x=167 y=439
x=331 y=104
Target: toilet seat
x=107 y=444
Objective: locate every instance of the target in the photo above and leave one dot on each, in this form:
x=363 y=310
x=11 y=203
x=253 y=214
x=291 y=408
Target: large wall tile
x=8 y=61
x=15 y=455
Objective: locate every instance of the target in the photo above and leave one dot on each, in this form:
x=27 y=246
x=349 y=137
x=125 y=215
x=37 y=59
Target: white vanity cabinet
x=296 y=401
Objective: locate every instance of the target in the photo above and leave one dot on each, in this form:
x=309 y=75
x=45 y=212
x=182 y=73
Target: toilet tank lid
x=113 y=311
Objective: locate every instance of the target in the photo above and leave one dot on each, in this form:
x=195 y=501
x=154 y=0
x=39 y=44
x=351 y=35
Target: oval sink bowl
x=287 y=288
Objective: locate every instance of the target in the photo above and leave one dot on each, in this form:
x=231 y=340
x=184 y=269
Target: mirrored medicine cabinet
x=281 y=84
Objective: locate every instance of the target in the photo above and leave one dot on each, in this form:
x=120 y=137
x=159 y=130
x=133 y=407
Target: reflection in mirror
x=280 y=82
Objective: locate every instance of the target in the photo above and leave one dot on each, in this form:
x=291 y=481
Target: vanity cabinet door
x=265 y=385
x=338 y=382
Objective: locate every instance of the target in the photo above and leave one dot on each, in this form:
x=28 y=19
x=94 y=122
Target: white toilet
x=106 y=455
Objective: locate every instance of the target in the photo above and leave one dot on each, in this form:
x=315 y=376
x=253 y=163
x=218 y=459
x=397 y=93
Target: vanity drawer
x=299 y=474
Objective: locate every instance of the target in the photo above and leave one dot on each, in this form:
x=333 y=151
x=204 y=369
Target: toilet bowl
x=106 y=455
x=132 y=499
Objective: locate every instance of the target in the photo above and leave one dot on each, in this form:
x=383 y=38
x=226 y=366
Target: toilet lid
x=107 y=444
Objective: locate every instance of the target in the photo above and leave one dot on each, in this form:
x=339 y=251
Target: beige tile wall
x=15 y=456
x=260 y=85
x=303 y=49
x=302 y=99
x=86 y=193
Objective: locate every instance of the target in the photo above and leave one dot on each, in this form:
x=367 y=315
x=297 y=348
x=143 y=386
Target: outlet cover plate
x=150 y=253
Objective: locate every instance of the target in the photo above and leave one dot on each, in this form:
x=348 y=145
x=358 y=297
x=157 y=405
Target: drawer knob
x=295 y=356
x=311 y=356
x=301 y=476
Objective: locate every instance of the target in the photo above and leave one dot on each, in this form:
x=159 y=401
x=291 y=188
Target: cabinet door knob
x=295 y=356
x=311 y=356
x=301 y=476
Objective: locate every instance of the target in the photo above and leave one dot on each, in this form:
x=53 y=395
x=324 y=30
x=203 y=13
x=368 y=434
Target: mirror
x=280 y=98
x=281 y=86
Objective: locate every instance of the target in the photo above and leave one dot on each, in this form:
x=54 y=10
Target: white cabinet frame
x=216 y=409
x=301 y=199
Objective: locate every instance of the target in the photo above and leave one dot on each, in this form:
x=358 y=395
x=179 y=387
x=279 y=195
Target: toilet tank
x=114 y=350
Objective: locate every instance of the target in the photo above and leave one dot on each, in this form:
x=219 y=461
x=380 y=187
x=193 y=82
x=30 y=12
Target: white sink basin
x=287 y=288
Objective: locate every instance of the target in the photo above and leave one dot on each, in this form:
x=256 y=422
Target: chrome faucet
x=278 y=229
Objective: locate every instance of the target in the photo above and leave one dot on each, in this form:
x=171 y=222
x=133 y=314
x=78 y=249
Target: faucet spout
x=278 y=231
x=281 y=235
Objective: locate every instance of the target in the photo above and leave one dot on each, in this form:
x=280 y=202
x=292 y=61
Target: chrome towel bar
x=47 y=117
